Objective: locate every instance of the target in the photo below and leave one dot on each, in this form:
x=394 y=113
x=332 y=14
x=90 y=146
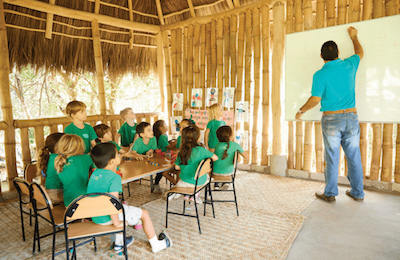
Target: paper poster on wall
x=200 y=117
x=228 y=97
x=197 y=97
x=177 y=103
x=211 y=96
x=228 y=117
x=242 y=111
x=242 y=138
x=175 y=120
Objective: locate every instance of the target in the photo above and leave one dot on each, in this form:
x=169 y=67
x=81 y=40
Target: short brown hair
x=124 y=112
x=74 y=107
x=101 y=130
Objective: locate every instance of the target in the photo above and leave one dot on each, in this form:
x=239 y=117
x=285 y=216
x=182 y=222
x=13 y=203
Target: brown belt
x=341 y=111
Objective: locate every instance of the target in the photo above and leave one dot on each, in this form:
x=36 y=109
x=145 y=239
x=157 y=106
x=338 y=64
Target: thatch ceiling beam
x=123 y=8
x=49 y=22
x=82 y=15
x=236 y=3
x=191 y=8
x=160 y=13
x=97 y=6
x=230 y=4
x=130 y=19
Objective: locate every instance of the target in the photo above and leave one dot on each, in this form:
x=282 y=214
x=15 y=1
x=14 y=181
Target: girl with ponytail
x=225 y=150
x=72 y=166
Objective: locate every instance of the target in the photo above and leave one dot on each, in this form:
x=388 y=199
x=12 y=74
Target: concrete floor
x=350 y=230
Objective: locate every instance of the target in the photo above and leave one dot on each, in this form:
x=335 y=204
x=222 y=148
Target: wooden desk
x=133 y=170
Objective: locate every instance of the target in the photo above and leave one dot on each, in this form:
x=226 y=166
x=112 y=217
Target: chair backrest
x=22 y=186
x=30 y=171
x=205 y=167
x=235 y=162
x=40 y=195
x=93 y=205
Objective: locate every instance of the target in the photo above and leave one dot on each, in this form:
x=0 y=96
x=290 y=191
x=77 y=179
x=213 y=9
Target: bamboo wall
x=231 y=50
x=379 y=143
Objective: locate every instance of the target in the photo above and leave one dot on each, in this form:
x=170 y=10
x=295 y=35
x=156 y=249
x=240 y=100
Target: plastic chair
x=87 y=206
x=205 y=167
x=24 y=192
x=221 y=179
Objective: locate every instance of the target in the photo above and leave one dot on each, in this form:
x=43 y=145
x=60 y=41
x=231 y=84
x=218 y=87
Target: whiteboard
x=378 y=75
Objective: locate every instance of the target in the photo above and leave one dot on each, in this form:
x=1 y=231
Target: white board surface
x=378 y=75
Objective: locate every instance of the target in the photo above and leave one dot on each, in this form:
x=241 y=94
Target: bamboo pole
x=5 y=100
x=214 y=54
x=191 y=8
x=196 y=55
x=168 y=77
x=277 y=73
x=265 y=84
x=376 y=151
x=203 y=61
x=185 y=86
x=161 y=70
x=397 y=158
x=226 y=52
x=190 y=62
x=330 y=13
x=232 y=47
x=247 y=69
x=320 y=14
x=208 y=55
x=299 y=145
x=49 y=22
x=387 y=153
x=256 y=101
x=53 y=129
x=363 y=146
x=391 y=7
x=318 y=147
x=240 y=60
x=220 y=58
x=179 y=63
x=289 y=16
x=26 y=152
x=114 y=128
x=308 y=15
x=290 y=145
x=342 y=12
x=354 y=11
x=39 y=138
x=174 y=63
x=159 y=12
x=367 y=10
x=307 y=146
x=378 y=9
x=298 y=16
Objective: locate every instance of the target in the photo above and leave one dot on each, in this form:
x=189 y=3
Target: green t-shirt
x=162 y=143
x=178 y=142
x=188 y=171
x=87 y=134
x=75 y=176
x=52 y=180
x=127 y=134
x=118 y=147
x=213 y=125
x=142 y=148
x=104 y=181
x=226 y=165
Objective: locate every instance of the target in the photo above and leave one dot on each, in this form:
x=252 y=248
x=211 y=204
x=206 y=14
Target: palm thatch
x=70 y=47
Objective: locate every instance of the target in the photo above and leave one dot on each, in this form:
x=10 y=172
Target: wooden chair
x=24 y=193
x=205 y=167
x=87 y=206
x=30 y=171
x=221 y=179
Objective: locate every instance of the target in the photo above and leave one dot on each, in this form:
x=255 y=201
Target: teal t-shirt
x=118 y=147
x=213 y=125
x=104 y=181
x=335 y=84
x=87 y=134
x=142 y=148
x=127 y=133
x=226 y=165
x=162 y=143
x=188 y=171
x=75 y=176
x=52 y=179
x=178 y=142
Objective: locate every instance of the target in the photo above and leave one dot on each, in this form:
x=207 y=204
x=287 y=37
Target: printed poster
x=242 y=111
x=211 y=96
x=175 y=120
x=228 y=97
x=197 y=97
x=201 y=117
x=242 y=138
x=177 y=101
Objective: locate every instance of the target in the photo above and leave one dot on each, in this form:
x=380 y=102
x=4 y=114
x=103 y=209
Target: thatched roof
x=70 y=47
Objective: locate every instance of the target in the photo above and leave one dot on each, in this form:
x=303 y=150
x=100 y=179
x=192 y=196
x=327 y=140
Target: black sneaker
x=168 y=242
x=120 y=248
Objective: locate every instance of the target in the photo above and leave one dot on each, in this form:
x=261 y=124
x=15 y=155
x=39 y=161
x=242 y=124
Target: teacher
x=334 y=86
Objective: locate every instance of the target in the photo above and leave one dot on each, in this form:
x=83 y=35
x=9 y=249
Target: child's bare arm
x=206 y=134
x=214 y=157
x=116 y=139
x=114 y=218
x=124 y=150
x=93 y=143
x=136 y=155
x=245 y=155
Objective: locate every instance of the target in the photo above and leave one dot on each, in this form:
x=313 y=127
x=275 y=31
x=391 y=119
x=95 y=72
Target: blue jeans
x=342 y=130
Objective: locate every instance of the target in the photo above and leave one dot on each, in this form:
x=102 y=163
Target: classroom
x=200 y=129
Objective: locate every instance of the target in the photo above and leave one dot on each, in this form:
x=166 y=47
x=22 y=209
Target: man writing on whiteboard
x=334 y=87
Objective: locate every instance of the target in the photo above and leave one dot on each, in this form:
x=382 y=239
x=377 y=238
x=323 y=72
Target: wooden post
x=318 y=147
x=168 y=77
x=277 y=73
x=290 y=145
x=98 y=60
x=387 y=153
x=190 y=62
x=298 y=16
x=26 y=152
x=196 y=55
x=203 y=61
x=226 y=52
x=208 y=54
x=185 y=85
x=49 y=22
x=256 y=105
x=240 y=61
x=232 y=47
x=214 y=54
x=289 y=16
x=220 y=58
x=114 y=128
x=354 y=11
x=247 y=69
x=265 y=84
x=299 y=145
x=397 y=160
x=53 y=129
x=363 y=146
x=307 y=146
x=174 y=70
x=39 y=138
x=367 y=9
x=179 y=62
x=5 y=100
x=378 y=9
x=308 y=15
x=320 y=14
x=376 y=151
x=330 y=13
x=342 y=12
x=391 y=7
x=160 y=69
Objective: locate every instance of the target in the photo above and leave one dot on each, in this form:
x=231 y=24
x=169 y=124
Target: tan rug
x=270 y=217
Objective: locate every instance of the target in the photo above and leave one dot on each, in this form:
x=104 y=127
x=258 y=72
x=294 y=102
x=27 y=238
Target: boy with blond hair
x=76 y=110
x=127 y=132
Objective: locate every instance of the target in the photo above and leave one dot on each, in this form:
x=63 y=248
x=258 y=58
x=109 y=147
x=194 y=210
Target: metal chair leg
x=197 y=214
x=205 y=199
x=129 y=190
x=212 y=202
x=22 y=220
x=234 y=195
x=166 y=216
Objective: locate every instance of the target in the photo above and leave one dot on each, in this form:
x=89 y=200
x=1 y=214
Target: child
x=225 y=150
x=189 y=157
x=160 y=129
x=104 y=179
x=72 y=167
x=184 y=123
x=46 y=166
x=104 y=135
x=215 y=122
x=146 y=144
x=76 y=110
x=127 y=132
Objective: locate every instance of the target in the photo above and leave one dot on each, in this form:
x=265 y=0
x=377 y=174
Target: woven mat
x=270 y=217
